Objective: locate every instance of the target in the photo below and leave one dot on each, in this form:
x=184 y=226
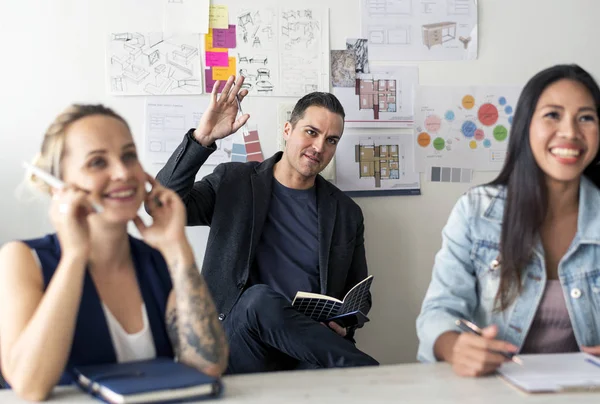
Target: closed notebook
x=160 y=380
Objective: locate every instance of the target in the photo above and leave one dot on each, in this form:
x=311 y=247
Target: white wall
x=53 y=54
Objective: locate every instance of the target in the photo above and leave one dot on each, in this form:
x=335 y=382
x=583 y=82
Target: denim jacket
x=466 y=277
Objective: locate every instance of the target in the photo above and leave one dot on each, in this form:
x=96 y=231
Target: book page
x=553 y=372
x=356 y=298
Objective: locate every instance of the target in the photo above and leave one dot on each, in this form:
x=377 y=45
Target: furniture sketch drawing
x=438 y=33
x=465 y=41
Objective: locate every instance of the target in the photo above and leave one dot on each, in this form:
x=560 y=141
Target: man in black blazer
x=276 y=227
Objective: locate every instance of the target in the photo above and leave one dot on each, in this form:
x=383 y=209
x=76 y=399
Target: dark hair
x=316 y=99
x=526 y=190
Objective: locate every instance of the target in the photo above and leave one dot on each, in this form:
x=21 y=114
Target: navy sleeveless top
x=92 y=343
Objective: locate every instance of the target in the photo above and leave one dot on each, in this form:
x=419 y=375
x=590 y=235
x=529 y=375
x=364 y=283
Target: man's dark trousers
x=266 y=333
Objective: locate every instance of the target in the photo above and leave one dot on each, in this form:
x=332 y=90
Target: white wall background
x=52 y=54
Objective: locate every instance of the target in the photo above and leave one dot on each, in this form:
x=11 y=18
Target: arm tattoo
x=199 y=335
x=172 y=330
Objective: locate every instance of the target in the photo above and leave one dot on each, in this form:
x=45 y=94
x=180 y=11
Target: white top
x=130 y=347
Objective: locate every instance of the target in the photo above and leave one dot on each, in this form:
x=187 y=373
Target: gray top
x=551 y=330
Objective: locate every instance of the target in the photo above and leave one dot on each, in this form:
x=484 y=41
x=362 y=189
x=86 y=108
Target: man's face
x=311 y=143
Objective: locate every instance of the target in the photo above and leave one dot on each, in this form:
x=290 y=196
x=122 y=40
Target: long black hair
x=526 y=190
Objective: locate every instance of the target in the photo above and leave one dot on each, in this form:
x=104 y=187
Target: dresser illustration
x=438 y=33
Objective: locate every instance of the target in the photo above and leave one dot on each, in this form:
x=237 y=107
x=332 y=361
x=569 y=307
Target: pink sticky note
x=209 y=82
x=224 y=38
x=217 y=59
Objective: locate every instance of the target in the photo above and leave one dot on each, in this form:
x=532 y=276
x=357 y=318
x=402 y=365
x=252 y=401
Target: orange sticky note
x=208 y=43
x=223 y=73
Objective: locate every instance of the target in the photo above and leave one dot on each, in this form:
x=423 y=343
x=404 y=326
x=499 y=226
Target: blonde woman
x=90 y=293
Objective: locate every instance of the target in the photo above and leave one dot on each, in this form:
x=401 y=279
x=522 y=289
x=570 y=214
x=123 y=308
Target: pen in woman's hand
x=468 y=326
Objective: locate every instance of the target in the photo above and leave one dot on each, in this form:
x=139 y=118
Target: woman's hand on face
x=168 y=217
x=69 y=213
x=474 y=355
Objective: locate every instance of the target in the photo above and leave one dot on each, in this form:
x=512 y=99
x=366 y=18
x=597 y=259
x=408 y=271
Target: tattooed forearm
x=200 y=338
x=172 y=329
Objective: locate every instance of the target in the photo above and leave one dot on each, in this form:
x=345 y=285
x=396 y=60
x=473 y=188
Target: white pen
x=54 y=182
x=245 y=131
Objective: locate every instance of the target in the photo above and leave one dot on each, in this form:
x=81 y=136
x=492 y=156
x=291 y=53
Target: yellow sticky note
x=223 y=73
x=218 y=17
x=208 y=43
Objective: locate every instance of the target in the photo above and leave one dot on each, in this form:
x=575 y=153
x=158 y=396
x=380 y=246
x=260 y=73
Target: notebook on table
x=349 y=312
x=553 y=373
x=159 y=380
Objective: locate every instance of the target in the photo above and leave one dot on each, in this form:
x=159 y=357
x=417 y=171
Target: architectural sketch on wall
x=302 y=50
x=382 y=98
x=257 y=50
x=150 y=64
x=380 y=163
x=360 y=46
x=389 y=7
x=280 y=51
x=378 y=95
x=460 y=7
x=343 y=65
x=420 y=29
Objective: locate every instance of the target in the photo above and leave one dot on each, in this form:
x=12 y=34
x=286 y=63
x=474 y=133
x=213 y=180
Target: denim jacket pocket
x=485 y=258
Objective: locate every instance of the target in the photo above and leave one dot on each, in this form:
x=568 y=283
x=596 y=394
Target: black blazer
x=234 y=202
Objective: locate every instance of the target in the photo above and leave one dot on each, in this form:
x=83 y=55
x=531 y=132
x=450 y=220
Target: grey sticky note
x=456 y=175
x=446 y=171
x=435 y=174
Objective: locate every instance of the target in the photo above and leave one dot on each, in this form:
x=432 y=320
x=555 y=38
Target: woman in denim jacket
x=520 y=256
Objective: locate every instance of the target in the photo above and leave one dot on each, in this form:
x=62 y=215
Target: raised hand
x=221 y=117
x=69 y=213
x=167 y=230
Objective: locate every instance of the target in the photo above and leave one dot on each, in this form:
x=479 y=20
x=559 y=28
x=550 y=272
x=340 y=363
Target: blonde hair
x=51 y=154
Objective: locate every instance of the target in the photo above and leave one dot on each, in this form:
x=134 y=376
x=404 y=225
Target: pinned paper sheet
x=208 y=43
x=224 y=38
x=218 y=17
x=186 y=17
x=217 y=59
x=223 y=73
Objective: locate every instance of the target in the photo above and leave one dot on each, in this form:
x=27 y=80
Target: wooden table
x=409 y=383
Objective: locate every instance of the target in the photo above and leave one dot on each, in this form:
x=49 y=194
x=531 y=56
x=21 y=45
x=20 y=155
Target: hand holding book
x=348 y=313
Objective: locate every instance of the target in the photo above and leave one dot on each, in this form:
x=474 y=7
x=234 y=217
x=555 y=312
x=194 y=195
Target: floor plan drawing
x=379 y=95
x=382 y=98
x=380 y=163
x=150 y=64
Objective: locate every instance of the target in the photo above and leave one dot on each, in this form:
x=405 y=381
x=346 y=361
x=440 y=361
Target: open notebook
x=554 y=373
x=348 y=312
